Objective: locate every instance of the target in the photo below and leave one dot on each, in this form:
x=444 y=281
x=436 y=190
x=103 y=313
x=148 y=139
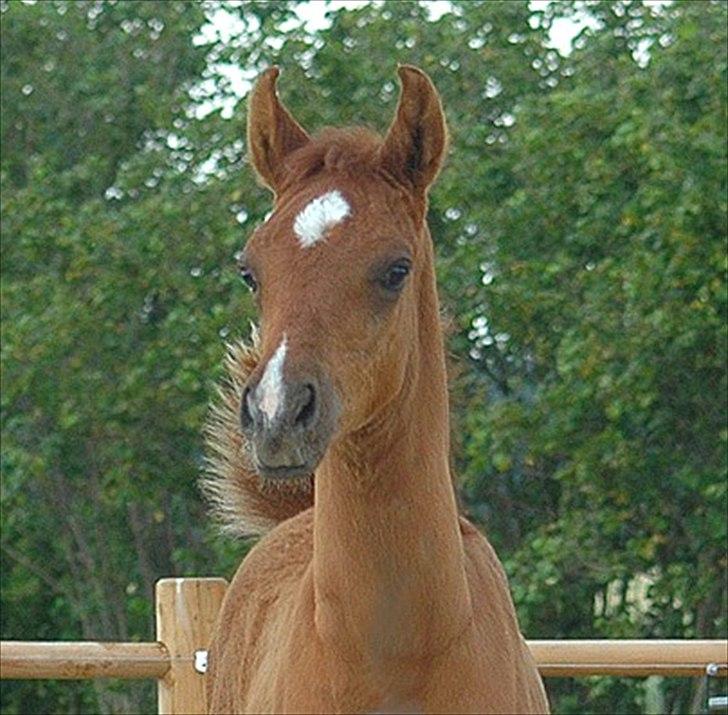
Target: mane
x=349 y=150
x=241 y=501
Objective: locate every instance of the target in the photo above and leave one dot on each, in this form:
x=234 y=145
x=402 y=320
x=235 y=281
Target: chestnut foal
x=378 y=598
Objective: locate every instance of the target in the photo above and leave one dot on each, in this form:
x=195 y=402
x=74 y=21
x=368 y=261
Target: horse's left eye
x=248 y=278
x=393 y=279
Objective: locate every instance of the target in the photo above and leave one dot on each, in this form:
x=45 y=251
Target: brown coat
x=378 y=597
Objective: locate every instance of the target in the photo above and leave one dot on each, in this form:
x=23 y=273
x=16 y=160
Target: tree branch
x=23 y=560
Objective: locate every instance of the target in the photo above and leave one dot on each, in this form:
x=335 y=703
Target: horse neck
x=388 y=559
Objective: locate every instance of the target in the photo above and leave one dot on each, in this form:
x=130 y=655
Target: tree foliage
x=580 y=227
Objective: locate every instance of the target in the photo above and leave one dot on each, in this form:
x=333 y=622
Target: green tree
x=601 y=345
x=580 y=227
x=119 y=225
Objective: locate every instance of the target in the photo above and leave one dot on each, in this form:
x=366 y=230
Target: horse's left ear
x=415 y=144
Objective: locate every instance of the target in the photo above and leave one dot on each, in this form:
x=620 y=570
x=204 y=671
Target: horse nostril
x=246 y=417
x=308 y=405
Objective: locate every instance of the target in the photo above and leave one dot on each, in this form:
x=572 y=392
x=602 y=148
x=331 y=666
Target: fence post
x=186 y=612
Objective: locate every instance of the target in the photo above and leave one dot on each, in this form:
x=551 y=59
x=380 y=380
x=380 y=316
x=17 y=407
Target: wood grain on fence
x=186 y=613
x=81 y=660
x=635 y=658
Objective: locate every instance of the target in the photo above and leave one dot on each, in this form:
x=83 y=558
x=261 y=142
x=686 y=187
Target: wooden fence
x=186 y=609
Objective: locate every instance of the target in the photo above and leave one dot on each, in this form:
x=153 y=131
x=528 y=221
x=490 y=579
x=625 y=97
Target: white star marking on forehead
x=319 y=216
x=271 y=387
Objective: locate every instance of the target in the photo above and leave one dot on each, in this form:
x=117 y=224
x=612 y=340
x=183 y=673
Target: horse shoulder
x=483 y=567
x=496 y=631
x=259 y=601
x=281 y=555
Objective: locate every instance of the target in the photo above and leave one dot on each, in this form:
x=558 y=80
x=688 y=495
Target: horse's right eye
x=248 y=278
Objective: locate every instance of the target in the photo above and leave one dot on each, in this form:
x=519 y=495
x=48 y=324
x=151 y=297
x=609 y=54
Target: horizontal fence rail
x=186 y=610
x=24 y=660
x=631 y=658
x=82 y=660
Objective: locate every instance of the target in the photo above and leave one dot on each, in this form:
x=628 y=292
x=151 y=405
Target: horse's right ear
x=272 y=132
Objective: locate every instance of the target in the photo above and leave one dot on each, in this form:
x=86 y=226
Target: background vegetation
x=580 y=227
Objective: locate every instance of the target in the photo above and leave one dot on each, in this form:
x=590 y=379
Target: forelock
x=349 y=151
